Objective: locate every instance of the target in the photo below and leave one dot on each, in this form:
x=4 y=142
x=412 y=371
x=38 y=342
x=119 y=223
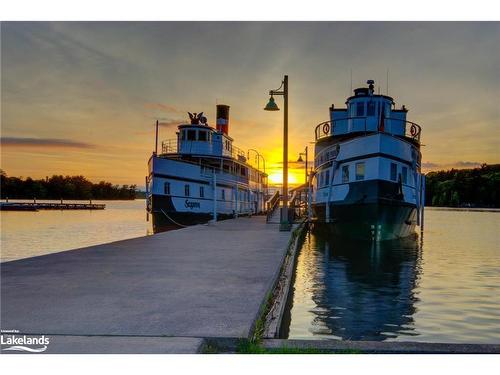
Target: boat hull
x=382 y=220
x=166 y=216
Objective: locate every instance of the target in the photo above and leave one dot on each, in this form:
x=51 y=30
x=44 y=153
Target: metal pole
x=285 y=226
x=215 y=198
x=147 y=198
x=306 y=164
x=422 y=202
x=309 y=199
x=156 y=139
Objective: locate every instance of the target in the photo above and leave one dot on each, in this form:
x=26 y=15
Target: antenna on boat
x=387 y=82
x=156 y=138
x=350 y=92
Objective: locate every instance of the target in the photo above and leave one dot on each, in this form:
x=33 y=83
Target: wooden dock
x=35 y=206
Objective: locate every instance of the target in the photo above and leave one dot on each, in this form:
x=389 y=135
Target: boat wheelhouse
x=367 y=181
x=200 y=176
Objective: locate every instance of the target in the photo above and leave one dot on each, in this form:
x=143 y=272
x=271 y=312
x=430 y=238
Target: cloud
x=43 y=142
x=295 y=163
x=457 y=165
x=168 y=123
x=163 y=108
x=468 y=164
x=429 y=165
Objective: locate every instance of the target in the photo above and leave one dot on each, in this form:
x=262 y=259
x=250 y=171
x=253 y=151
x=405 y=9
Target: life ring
x=413 y=130
x=326 y=128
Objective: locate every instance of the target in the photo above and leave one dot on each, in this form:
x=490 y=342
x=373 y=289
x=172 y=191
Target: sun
x=276 y=178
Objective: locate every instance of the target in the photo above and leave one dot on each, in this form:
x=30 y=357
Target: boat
x=200 y=176
x=367 y=181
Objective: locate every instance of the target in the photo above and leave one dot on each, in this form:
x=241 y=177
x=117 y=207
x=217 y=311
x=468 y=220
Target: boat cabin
x=365 y=112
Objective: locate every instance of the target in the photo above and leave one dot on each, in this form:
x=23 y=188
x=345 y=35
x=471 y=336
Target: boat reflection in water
x=351 y=290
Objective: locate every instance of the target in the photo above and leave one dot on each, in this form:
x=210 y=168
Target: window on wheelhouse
x=223 y=194
x=370 y=109
x=360 y=109
x=202 y=192
x=360 y=171
x=345 y=174
x=404 y=175
x=186 y=190
x=394 y=171
x=327 y=177
x=166 y=188
x=191 y=135
x=202 y=135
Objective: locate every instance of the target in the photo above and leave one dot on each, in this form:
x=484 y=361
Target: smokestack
x=223 y=118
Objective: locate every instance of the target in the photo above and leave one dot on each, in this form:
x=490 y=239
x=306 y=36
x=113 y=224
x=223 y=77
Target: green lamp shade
x=271 y=106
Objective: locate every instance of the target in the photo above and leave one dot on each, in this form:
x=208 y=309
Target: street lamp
x=307 y=183
x=259 y=156
x=299 y=160
x=272 y=106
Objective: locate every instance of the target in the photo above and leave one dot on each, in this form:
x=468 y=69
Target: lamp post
x=299 y=160
x=259 y=156
x=307 y=182
x=272 y=106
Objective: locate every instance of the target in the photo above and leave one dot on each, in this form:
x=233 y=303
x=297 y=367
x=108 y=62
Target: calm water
x=442 y=287
x=27 y=234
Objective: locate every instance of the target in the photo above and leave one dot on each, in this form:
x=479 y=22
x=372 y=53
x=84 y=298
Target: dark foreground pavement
x=166 y=291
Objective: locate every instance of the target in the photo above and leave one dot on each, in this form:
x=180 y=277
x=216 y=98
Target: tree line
x=62 y=187
x=478 y=187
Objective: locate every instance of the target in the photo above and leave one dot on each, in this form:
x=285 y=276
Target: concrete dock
x=162 y=293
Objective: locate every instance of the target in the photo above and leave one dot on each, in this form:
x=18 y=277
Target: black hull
x=166 y=217
x=369 y=221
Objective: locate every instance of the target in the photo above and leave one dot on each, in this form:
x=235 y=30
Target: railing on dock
x=272 y=204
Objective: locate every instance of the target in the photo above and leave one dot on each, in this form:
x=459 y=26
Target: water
x=442 y=287
x=27 y=234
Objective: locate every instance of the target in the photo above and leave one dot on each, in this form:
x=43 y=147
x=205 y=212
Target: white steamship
x=200 y=176
x=367 y=181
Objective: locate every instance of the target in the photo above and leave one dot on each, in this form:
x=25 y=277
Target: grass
x=252 y=347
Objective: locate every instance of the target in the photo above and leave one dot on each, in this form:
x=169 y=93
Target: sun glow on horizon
x=276 y=177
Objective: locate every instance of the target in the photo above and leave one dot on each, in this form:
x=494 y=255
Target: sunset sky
x=82 y=98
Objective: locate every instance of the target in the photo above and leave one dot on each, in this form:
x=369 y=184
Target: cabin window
x=321 y=179
x=345 y=174
x=360 y=171
x=202 y=135
x=202 y=192
x=186 y=190
x=394 y=171
x=223 y=194
x=404 y=174
x=166 y=188
x=191 y=135
x=183 y=135
x=360 y=109
x=327 y=178
x=243 y=171
x=370 y=110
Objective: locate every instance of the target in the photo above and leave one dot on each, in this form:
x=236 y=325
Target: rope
x=172 y=220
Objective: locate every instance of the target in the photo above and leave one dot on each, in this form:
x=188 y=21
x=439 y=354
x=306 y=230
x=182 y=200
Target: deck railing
x=171 y=146
x=347 y=125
